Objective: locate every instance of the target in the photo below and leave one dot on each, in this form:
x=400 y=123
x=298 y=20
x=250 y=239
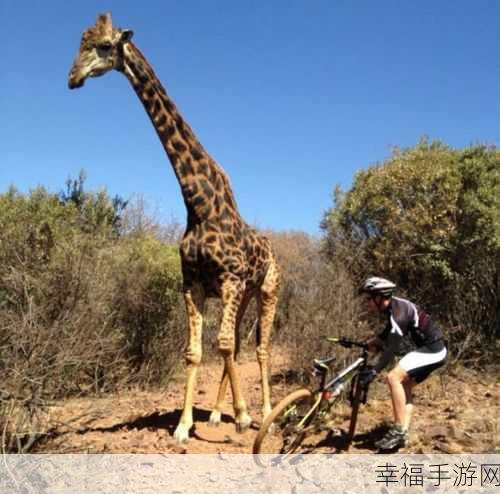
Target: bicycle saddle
x=321 y=364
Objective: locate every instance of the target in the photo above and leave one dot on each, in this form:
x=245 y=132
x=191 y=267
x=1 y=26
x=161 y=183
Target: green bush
x=149 y=306
x=428 y=217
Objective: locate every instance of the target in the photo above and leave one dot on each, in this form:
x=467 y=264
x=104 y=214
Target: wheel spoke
x=285 y=427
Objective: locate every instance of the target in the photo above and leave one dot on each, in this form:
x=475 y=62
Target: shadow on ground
x=167 y=421
x=337 y=441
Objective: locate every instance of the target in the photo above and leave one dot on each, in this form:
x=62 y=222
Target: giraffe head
x=101 y=50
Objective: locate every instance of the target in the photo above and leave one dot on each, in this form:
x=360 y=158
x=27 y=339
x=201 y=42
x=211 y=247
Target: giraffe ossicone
x=221 y=255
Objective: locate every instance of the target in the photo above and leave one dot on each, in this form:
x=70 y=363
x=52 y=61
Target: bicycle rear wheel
x=284 y=429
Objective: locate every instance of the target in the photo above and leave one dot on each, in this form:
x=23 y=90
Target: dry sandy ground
x=454 y=413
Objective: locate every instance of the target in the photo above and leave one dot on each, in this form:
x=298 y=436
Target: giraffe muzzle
x=74 y=83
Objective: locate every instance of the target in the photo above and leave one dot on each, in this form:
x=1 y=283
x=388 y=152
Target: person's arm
x=384 y=359
x=376 y=343
x=387 y=353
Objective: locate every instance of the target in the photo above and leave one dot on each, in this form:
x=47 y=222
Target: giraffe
x=221 y=256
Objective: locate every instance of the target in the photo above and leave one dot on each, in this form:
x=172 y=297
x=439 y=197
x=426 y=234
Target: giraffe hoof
x=215 y=418
x=243 y=423
x=181 y=434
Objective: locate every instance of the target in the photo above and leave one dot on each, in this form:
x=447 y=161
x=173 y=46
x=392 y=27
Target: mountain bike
x=305 y=412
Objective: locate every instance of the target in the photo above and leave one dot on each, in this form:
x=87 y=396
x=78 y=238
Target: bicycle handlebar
x=346 y=343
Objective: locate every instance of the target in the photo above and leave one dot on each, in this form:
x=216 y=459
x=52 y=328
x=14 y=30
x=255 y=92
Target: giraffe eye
x=106 y=46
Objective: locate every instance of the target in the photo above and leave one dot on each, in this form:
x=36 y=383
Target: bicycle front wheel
x=284 y=429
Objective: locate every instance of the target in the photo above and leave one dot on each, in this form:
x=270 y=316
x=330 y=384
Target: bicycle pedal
x=335 y=431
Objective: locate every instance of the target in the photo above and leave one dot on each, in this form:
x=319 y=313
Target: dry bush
x=141 y=219
x=55 y=341
x=83 y=309
x=318 y=299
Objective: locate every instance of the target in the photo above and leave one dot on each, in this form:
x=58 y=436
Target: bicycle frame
x=302 y=411
x=344 y=377
x=347 y=374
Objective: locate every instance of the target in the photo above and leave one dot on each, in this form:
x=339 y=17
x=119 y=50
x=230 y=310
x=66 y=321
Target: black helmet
x=378 y=286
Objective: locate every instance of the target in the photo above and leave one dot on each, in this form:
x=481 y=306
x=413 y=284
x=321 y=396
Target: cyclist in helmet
x=411 y=335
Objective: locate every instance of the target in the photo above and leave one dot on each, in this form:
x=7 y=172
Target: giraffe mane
x=103 y=29
x=104 y=24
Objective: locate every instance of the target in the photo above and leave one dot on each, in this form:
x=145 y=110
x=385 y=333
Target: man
x=408 y=328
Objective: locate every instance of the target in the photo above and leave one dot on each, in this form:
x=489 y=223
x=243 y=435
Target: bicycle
x=304 y=412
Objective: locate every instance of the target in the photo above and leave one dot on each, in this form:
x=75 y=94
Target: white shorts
x=420 y=364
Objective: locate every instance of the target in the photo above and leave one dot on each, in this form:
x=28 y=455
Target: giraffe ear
x=126 y=35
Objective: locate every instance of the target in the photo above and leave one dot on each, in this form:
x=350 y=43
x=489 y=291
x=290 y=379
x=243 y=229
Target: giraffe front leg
x=194 y=300
x=232 y=293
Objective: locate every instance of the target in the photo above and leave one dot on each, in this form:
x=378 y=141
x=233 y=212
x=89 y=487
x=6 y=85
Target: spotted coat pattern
x=221 y=255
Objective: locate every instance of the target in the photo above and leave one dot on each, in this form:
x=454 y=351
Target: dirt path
x=455 y=414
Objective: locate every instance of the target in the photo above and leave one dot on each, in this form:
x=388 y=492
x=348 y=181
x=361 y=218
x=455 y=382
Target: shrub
x=83 y=309
x=149 y=307
x=428 y=218
x=317 y=299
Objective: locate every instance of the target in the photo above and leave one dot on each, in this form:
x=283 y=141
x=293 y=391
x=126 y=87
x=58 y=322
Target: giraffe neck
x=205 y=187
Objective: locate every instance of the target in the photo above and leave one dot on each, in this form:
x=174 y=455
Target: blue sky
x=290 y=97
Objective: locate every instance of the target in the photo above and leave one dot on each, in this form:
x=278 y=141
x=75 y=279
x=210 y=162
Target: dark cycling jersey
x=409 y=321
x=408 y=327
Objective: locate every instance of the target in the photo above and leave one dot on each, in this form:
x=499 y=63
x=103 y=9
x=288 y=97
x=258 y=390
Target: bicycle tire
x=290 y=438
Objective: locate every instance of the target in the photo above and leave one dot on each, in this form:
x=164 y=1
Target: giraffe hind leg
x=232 y=296
x=215 y=416
x=267 y=302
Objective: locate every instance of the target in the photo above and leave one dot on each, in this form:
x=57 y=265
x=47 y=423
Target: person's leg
x=397 y=436
x=418 y=365
x=396 y=379
x=408 y=386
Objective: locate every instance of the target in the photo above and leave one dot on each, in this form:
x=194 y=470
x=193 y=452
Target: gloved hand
x=366 y=376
